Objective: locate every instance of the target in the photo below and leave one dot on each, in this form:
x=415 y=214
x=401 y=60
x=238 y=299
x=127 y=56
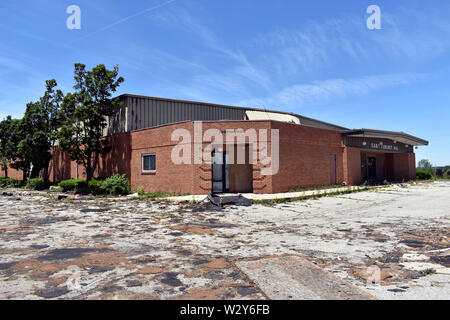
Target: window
x=148 y=162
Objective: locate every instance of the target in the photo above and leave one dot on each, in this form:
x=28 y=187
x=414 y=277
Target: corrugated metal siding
x=319 y=124
x=140 y=112
x=117 y=123
x=147 y=112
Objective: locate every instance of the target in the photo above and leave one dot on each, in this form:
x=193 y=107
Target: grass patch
x=302 y=189
x=313 y=196
x=157 y=194
x=428 y=271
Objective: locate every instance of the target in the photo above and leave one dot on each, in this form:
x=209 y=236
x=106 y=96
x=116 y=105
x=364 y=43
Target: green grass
x=313 y=196
x=428 y=271
x=302 y=189
x=157 y=194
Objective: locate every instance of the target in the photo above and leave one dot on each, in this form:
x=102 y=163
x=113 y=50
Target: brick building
x=309 y=152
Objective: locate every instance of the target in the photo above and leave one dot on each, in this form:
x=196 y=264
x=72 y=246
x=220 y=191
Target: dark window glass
x=149 y=162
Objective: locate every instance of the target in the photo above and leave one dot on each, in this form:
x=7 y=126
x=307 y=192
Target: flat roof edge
x=387 y=134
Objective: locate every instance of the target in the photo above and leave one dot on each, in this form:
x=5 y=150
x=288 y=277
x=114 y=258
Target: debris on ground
x=371 y=274
x=221 y=201
x=155 y=249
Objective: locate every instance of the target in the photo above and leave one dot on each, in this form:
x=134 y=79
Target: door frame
x=223 y=168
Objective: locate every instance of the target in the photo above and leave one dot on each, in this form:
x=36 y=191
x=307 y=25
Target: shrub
x=95 y=186
x=37 y=184
x=18 y=183
x=5 y=182
x=140 y=190
x=8 y=182
x=77 y=185
x=116 y=185
x=439 y=172
x=423 y=175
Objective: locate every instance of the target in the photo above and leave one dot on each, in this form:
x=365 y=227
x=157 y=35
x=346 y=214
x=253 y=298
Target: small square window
x=148 y=162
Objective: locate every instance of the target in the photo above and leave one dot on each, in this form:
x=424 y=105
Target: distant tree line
x=426 y=166
x=74 y=122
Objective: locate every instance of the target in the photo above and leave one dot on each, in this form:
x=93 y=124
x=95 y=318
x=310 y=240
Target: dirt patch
x=103 y=260
x=218 y=264
x=193 y=229
x=151 y=270
x=25 y=265
x=367 y=273
x=53 y=268
x=124 y=295
x=205 y=294
x=257 y=265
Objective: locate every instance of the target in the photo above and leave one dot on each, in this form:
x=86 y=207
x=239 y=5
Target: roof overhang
x=392 y=135
x=262 y=115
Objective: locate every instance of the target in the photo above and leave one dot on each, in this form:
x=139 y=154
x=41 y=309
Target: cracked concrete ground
x=135 y=249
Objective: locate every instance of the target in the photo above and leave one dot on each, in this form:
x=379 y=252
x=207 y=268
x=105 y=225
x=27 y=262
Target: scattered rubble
x=146 y=249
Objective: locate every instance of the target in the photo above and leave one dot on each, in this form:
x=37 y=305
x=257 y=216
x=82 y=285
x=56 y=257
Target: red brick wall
x=305 y=157
x=352 y=166
x=404 y=166
x=12 y=173
x=168 y=176
x=203 y=173
x=412 y=165
x=193 y=179
x=60 y=166
x=118 y=160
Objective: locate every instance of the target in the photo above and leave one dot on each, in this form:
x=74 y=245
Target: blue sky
x=315 y=58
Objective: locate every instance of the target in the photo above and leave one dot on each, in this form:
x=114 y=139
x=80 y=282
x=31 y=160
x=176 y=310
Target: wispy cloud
x=317 y=45
x=274 y=62
x=182 y=19
x=13 y=64
x=125 y=19
x=302 y=94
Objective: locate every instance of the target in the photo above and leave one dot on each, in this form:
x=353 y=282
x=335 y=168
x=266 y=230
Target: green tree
x=5 y=143
x=17 y=148
x=425 y=165
x=84 y=115
x=40 y=124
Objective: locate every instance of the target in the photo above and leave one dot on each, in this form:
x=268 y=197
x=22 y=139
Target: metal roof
x=144 y=112
x=393 y=135
x=176 y=110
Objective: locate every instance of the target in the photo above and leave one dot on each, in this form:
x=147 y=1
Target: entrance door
x=372 y=169
x=220 y=172
x=333 y=169
x=363 y=168
x=241 y=173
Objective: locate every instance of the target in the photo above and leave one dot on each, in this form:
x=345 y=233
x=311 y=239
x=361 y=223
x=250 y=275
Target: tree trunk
x=89 y=173
x=35 y=172
x=45 y=175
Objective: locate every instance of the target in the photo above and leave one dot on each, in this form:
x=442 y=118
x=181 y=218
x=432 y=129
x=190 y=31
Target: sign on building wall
x=377 y=144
